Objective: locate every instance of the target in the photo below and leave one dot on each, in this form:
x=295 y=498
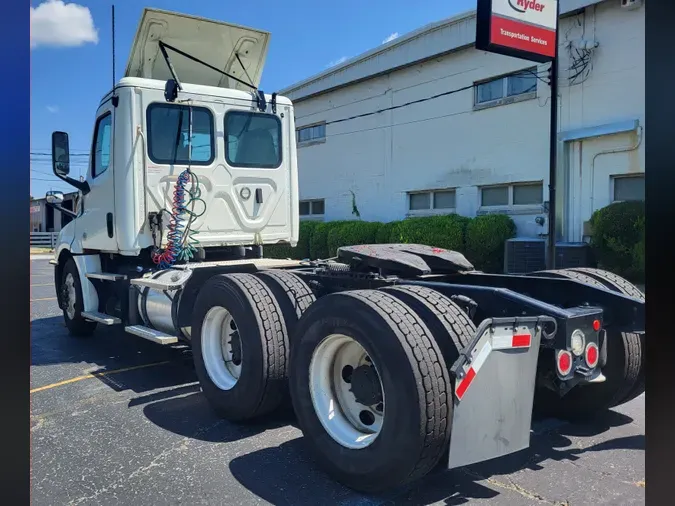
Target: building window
x=528 y=194
x=312 y=208
x=627 y=188
x=253 y=140
x=168 y=131
x=433 y=200
x=312 y=133
x=506 y=89
x=519 y=194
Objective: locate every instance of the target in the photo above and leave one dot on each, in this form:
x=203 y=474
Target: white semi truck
x=397 y=358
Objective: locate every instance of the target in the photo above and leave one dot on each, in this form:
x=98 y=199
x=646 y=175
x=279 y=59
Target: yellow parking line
x=46 y=298
x=96 y=375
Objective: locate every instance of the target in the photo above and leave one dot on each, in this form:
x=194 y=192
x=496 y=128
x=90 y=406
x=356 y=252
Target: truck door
x=96 y=225
x=258 y=161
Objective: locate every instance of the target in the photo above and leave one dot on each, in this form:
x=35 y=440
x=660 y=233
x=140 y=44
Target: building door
x=49 y=222
x=65 y=219
x=601 y=170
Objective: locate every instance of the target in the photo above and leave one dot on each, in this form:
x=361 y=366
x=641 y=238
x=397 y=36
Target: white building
x=46 y=219
x=485 y=149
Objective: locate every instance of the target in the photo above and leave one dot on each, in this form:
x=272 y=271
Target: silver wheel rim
x=221 y=348
x=350 y=423
x=71 y=296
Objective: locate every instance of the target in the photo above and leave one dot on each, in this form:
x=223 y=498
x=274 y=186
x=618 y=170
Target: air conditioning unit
x=631 y=4
x=572 y=254
x=523 y=255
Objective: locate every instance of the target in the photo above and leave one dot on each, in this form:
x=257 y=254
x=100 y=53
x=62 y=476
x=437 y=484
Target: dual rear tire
x=367 y=370
x=624 y=370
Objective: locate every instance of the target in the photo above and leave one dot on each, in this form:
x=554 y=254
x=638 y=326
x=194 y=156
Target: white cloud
x=390 y=38
x=55 y=23
x=337 y=62
x=53 y=109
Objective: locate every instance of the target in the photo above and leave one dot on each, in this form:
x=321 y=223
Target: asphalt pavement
x=116 y=419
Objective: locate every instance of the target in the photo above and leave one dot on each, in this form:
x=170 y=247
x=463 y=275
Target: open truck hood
x=213 y=42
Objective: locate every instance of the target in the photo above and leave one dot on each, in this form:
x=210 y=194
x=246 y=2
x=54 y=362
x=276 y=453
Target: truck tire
x=621 y=285
x=449 y=324
x=291 y=292
x=71 y=302
x=624 y=354
x=578 y=276
x=398 y=376
x=244 y=377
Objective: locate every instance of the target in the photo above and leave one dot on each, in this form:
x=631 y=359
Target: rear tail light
x=564 y=362
x=596 y=325
x=592 y=355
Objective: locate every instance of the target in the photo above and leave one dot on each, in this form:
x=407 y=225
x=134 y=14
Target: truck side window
x=102 y=145
x=252 y=140
x=168 y=130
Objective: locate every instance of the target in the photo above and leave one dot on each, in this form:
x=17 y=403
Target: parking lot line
x=46 y=298
x=43 y=284
x=95 y=375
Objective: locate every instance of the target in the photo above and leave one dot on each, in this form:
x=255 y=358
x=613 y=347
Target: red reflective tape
x=521 y=341
x=464 y=383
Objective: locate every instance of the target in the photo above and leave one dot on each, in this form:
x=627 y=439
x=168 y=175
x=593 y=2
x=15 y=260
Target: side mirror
x=54 y=197
x=60 y=154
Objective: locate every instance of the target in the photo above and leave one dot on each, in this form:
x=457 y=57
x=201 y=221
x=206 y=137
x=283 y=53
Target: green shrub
x=618 y=240
x=301 y=251
x=318 y=243
x=445 y=231
x=485 y=240
x=277 y=251
x=389 y=233
x=350 y=233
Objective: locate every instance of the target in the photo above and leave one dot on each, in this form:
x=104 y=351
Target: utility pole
x=553 y=154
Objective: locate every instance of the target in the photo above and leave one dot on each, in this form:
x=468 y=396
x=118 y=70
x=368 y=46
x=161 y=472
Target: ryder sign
x=520 y=28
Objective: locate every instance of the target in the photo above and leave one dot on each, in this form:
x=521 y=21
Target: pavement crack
x=180 y=445
x=514 y=487
x=600 y=472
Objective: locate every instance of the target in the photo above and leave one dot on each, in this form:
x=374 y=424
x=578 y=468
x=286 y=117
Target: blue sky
x=71 y=52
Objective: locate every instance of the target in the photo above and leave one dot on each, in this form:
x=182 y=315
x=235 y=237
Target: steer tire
x=449 y=324
x=417 y=392
x=585 y=401
x=291 y=292
x=625 y=287
x=77 y=326
x=264 y=346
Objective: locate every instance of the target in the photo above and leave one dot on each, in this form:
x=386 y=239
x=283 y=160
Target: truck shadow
x=186 y=412
x=111 y=349
x=290 y=475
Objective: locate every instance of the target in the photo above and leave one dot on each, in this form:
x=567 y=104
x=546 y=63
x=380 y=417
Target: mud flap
x=494 y=381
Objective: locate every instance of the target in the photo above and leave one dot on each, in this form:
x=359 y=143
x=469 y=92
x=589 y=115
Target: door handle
x=258 y=196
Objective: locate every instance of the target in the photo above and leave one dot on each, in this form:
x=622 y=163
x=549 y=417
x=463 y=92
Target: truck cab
x=189 y=99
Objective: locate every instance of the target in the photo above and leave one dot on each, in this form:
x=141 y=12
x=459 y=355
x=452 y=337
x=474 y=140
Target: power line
x=48 y=150
x=406 y=104
x=538 y=74
x=49 y=154
x=420 y=100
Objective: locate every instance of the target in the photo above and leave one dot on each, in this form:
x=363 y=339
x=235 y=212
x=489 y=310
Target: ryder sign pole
x=527 y=29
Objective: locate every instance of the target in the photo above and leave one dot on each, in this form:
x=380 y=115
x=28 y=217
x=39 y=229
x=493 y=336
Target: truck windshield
x=168 y=134
x=253 y=140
